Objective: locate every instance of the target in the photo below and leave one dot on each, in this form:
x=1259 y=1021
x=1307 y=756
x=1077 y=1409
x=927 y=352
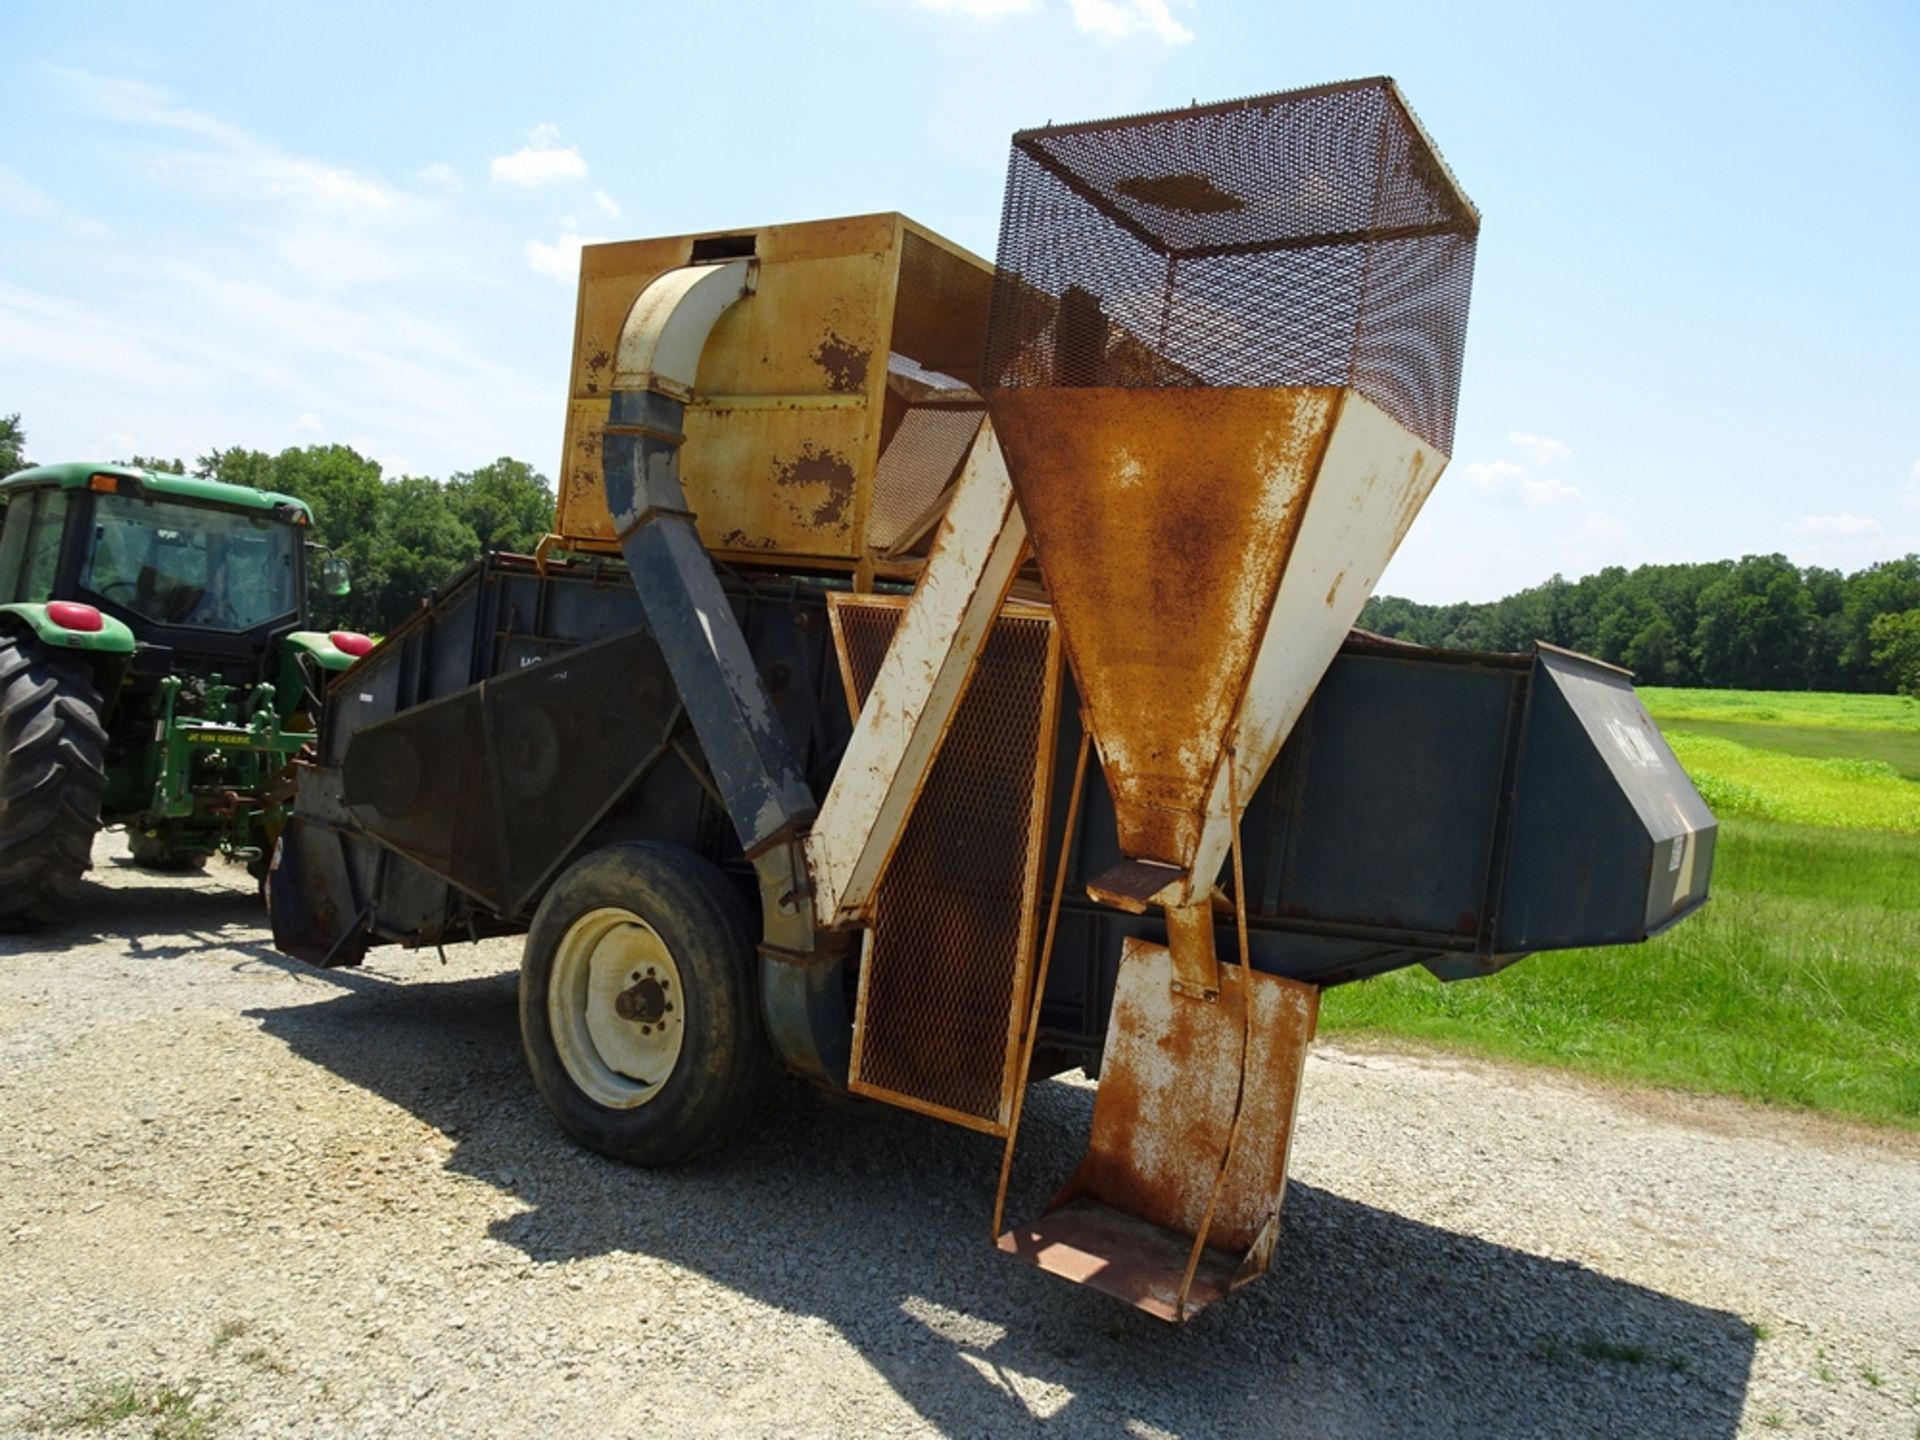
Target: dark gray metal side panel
x=1610 y=839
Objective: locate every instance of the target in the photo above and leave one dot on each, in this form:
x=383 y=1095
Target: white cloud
x=442 y=176
x=1510 y=483
x=1911 y=495
x=1120 y=19
x=33 y=203
x=1845 y=525
x=982 y=10
x=236 y=163
x=543 y=160
x=333 y=225
x=560 y=260
x=1539 y=449
x=607 y=204
x=300 y=304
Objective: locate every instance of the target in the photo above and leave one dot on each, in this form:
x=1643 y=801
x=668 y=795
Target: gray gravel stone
x=331 y=1205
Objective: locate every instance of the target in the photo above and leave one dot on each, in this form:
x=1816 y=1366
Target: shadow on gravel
x=192 y=916
x=875 y=1220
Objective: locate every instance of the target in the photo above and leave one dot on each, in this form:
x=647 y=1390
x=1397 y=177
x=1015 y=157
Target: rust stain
x=596 y=362
x=741 y=540
x=827 y=470
x=1333 y=590
x=845 y=363
x=1190 y=194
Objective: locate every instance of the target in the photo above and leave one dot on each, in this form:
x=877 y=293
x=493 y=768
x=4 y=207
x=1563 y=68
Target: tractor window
x=30 y=544
x=187 y=565
x=13 y=545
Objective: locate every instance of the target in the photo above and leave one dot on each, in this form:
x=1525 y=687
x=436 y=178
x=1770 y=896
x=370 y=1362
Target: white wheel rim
x=616 y=1008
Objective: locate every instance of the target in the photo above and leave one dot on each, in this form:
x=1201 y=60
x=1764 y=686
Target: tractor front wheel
x=53 y=773
x=639 y=1009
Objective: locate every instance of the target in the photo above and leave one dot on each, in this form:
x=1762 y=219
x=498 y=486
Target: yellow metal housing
x=852 y=338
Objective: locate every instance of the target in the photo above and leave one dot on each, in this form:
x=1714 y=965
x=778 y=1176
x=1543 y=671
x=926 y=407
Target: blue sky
x=1696 y=326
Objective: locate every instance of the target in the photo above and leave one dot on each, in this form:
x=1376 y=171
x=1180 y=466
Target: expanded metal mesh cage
x=1313 y=237
x=944 y=986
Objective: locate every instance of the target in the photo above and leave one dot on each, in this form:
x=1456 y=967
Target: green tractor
x=156 y=671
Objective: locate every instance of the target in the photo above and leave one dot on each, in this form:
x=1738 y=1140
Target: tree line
x=1757 y=623
x=401 y=537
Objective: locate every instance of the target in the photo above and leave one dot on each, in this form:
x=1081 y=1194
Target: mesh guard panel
x=1313 y=237
x=943 y=989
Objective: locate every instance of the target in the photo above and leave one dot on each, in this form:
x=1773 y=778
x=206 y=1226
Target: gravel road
x=247 y=1198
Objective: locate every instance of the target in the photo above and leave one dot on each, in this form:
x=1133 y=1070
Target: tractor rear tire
x=639 y=1004
x=53 y=773
x=152 y=852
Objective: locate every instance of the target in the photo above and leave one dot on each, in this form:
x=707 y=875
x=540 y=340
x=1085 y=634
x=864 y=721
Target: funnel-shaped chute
x=1222 y=366
x=1223 y=362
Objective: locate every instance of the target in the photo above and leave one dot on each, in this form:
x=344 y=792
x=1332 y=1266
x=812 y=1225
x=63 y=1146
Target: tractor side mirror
x=335 y=579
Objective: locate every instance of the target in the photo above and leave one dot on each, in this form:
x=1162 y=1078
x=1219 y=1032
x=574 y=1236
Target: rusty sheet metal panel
x=1163 y=520
x=785 y=435
x=1170 y=1087
x=944 y=983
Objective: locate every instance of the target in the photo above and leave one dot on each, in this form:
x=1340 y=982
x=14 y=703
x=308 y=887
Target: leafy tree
x=1896 y=649
x=13 y=444
x=1756 y=622
x=508 y=504
x=1753 y=624
x=237 y=467
x=154 y=462
x=421 y=543
x=1887 y=588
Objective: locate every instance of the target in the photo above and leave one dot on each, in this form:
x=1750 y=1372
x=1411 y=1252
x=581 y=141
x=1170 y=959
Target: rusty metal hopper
x=1222 y=364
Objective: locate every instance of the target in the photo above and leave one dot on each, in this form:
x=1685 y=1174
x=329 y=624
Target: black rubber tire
x=53 y=773
x=726 y=1061
x=152 y=852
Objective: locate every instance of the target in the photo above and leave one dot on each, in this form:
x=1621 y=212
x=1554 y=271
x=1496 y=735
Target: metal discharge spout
x=1223 y=363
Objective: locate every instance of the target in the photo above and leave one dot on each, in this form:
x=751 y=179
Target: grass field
x=1799 y=984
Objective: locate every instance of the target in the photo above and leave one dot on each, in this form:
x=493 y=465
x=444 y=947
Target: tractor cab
x=206 y=576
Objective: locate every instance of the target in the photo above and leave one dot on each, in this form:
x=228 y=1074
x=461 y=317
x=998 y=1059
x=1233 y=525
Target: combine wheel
x=52 y=776
x=152 y=852
x=638 y=1004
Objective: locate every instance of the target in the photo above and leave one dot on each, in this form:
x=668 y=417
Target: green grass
x=1811 y=708
x=1741 y=780
x=1898 y=749
x=171 y=1411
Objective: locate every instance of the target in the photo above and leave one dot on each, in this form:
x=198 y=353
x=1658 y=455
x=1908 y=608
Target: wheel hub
x=614 y=1003
x=644 y=1002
